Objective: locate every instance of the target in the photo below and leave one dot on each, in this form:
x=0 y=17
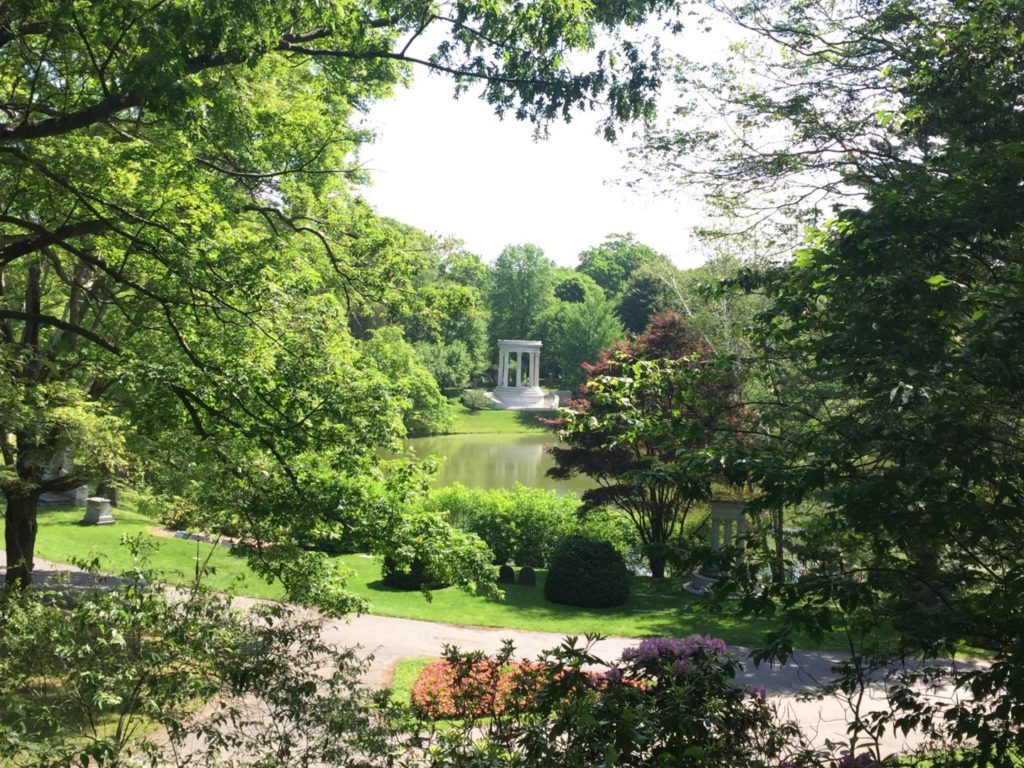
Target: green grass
x=492 y=421
x=406 y=672
x=61 y=539
x=654 y=608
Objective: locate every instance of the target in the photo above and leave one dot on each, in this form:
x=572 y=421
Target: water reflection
x=494 y=461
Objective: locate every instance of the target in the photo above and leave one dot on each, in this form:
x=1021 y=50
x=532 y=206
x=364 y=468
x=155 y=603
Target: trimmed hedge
x=587 y=572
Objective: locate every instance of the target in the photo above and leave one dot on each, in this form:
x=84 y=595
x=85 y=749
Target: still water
x=494 y=461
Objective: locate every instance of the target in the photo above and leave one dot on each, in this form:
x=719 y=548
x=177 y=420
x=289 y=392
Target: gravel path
x=391 y=639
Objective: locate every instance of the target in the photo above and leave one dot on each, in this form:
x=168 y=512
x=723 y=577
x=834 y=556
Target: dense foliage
x=665 y=702
x=890 y=343
x=587 y=572
x=524 y=525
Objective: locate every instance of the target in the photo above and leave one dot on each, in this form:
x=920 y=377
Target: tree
x=584 y=330
x=179 y=246
x=614 y=262
x=892 y=345
x=520 y=291
x=649 y=413
x=644 y=296
x=426 y=410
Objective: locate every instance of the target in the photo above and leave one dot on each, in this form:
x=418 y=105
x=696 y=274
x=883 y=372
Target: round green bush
x=414 y=577
x=587 y=572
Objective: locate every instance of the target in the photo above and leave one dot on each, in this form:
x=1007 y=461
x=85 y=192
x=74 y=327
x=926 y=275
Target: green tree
x=584 y=330
x=426 y=410
x=615 y=261
x=644 y=296
x=521 y=289
x=892 y=343
x=179 y=246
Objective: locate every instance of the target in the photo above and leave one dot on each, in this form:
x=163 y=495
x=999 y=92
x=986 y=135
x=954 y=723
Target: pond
x=494 y=461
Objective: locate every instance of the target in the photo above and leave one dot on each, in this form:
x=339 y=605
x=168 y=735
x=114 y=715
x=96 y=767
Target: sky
x=452 y=168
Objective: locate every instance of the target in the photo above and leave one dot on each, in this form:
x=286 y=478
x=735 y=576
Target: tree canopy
x=890 y=343
x=180 y=245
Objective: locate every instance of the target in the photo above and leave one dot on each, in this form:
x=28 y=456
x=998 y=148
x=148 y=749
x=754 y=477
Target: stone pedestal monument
x=518 y=384
x=97 y=511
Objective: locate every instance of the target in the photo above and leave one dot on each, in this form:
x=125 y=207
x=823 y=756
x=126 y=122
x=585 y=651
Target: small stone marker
x=97 y=511
x=506 y=575
x=527 y=577
x=81 y=494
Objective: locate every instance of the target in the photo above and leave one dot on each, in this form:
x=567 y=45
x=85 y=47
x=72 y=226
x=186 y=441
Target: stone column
x=534 y=370
x=519 y=369
x=502 y=363
x=715 y=532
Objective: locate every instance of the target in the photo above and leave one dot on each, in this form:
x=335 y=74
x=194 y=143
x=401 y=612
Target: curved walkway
x=389 y=640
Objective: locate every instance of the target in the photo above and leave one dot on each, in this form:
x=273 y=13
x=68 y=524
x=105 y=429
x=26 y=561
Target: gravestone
x=506 y=575
x=97 y=511
x=81 y=495
x=527 y=576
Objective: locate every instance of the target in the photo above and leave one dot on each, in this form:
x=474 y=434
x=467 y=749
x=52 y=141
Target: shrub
x=475 y=400
x=665 y=702
x=521 y=526
x=587 y=572
x=524 y=525
x=470 y=687
x=413 y=577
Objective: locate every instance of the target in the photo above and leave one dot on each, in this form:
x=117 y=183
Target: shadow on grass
x=533 y=418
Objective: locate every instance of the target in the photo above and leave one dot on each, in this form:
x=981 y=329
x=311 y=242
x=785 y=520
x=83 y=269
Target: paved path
x=390 y=640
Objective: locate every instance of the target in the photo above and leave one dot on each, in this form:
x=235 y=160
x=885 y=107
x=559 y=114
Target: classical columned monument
x=518 y=383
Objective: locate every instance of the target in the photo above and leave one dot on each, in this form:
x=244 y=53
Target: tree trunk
x=657 y=567
x=778 y=564
x=108 y=491
x=20 y=538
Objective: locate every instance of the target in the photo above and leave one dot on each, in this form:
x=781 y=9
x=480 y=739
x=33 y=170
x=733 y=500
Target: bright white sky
x=452 y=168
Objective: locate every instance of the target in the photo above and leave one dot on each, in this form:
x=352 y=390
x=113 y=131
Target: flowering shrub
x=474 y=688
x=664 y=701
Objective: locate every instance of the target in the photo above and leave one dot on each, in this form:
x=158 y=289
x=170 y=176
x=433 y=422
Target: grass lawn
x=491 y=421
x=406 y=672
x=63 y=540
x=654 y=608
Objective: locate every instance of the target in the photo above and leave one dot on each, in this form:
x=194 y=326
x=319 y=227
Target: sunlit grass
x=653 y=608
x=493 y=421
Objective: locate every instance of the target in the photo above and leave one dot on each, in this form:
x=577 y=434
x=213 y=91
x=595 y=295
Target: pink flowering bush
x=665 y=701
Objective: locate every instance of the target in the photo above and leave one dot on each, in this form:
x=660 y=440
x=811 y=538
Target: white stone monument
x=97 y=511
x=518 y=384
